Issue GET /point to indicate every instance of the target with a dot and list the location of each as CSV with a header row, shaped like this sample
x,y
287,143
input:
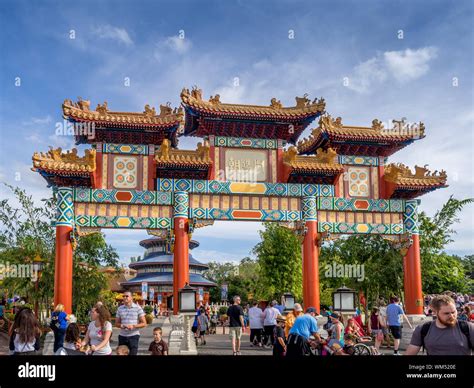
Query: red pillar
x,y
311,266
412,278
310,254
63,268
181,246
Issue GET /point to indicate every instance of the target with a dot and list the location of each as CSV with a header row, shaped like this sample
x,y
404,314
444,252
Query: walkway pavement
x,y
220,345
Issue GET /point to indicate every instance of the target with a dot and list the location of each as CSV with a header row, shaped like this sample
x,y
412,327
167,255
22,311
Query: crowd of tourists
x,y
130,318
298,334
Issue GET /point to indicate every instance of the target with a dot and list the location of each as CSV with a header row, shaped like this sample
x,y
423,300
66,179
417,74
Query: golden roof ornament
x,y
377,125
102,109
55,159
149,111
327,156
215,99
398,172
274,103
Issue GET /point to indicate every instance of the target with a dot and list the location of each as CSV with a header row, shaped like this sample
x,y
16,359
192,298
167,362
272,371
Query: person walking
x,y
99,332
395,316
376,324
25,334
304,327
291,318
235,315
130,318
279,339
269,321
58,325
446,335
256,324
337,330
203,325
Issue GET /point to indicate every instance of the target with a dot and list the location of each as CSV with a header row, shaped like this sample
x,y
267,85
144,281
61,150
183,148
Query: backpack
x,y
462,325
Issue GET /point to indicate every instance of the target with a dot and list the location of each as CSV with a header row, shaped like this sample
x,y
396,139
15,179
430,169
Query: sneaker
x,y
239,354
251,345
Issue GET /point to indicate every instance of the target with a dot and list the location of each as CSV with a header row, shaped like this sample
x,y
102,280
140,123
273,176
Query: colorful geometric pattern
x,y
132,149
410,216
358,181
359,228
181,204
227,187
64,206
125,172
308,207
358,160
123,222
370,205
235,214
122,196
241,142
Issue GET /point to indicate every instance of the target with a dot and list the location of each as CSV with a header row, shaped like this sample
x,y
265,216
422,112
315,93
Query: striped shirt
x,y
129,316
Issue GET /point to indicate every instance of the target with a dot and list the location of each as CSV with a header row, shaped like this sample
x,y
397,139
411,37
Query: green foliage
x,y
442,272
148,309
279,257
108,298
26,233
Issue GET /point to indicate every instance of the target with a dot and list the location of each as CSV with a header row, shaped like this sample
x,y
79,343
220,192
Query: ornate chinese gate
x,y
335,182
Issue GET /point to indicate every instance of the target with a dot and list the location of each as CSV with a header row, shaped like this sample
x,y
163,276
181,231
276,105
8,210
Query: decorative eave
x,y
351,140
402,183
169,160
319,168
146,122
215,118
59,168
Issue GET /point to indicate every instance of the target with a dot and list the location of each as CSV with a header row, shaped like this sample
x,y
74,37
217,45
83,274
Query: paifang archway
x,y
336,181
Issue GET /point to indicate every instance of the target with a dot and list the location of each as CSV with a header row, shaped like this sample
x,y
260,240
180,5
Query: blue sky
x,y
348,52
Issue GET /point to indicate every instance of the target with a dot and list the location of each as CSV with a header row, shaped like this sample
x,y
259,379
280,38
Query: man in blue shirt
x,y
304,327
395,314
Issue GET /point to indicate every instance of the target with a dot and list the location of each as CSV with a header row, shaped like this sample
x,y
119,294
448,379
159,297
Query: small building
x,y
156,269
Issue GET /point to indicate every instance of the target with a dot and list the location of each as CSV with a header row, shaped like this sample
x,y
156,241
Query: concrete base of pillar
x,y
415,320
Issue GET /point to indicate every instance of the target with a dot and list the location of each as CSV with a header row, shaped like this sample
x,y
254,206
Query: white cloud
x,y
178,44
115,33
402,66
409,64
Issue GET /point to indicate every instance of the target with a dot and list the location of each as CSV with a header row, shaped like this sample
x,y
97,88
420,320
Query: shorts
x,y
385,330
396,331
202,333
377,331
235,332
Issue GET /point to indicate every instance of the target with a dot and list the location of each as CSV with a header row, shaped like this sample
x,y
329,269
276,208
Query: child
x,y
25,333
279,341
73,339
122,350
158,347
203,325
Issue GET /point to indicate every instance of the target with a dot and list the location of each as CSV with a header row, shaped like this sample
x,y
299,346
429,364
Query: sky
x,y
368,59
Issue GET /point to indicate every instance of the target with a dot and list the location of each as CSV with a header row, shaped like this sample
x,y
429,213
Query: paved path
x,y
220,345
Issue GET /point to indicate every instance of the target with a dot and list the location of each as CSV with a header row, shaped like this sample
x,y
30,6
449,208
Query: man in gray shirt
x,y
445,335
130,318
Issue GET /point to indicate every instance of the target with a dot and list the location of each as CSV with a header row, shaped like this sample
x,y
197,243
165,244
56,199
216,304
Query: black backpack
x,y
462,325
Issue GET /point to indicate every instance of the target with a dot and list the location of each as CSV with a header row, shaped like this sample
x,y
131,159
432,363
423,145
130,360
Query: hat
x,y
335,315
297,307
310,310
281,318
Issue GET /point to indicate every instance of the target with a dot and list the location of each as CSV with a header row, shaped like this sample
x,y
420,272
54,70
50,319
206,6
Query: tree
x,y
279,258
442,272
26,234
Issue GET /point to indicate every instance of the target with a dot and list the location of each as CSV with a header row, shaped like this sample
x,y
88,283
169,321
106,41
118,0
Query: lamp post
x,y
288,301
38,265
344,300
187,307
